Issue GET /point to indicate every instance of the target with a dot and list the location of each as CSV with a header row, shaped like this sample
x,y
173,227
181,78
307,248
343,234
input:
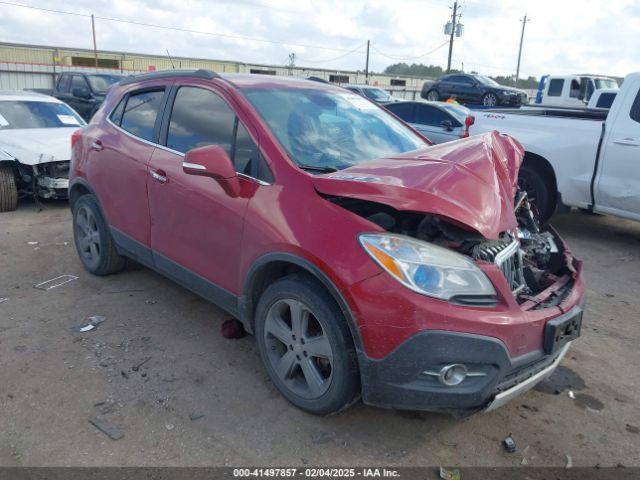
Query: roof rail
x,y
202,73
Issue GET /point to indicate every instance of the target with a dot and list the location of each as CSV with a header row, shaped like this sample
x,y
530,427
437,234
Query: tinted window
x,y
555,87
456,78
139,116
403,110
575,89
606,100
78,81
427,115
63,83
116,115
200,117
102,83
635,109
466,80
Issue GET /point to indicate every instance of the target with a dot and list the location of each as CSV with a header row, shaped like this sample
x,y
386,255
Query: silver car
x,y
438,121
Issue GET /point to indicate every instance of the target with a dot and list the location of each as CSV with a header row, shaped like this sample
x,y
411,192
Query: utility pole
x,y
454,17
366,67
95,49
524,23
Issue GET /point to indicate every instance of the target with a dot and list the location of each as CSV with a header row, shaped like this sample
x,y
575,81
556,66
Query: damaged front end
x,y
43,177
463,196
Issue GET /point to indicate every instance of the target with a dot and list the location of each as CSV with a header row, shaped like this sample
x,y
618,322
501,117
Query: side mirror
x,y
213,161
447,125
81,92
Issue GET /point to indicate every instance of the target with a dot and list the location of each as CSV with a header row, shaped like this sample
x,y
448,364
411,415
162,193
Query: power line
x,y
393,57
335,58
180,29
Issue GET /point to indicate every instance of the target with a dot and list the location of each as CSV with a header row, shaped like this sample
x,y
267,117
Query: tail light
x,y
470,120
75,137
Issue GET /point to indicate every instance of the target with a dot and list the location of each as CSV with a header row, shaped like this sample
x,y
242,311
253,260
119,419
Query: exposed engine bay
x,y
530,257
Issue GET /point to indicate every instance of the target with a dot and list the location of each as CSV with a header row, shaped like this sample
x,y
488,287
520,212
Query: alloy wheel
x,y
298,348
87,235
489,100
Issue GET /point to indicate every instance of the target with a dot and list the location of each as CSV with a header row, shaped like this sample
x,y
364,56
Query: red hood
x,y
472,182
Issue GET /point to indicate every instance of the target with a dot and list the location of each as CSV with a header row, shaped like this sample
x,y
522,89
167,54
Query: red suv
x,y
366,261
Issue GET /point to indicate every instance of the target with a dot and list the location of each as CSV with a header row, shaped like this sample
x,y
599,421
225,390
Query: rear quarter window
x,y
635,109
140,113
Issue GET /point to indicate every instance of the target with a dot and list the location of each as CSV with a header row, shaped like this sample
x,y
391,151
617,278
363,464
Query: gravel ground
x,y
180,394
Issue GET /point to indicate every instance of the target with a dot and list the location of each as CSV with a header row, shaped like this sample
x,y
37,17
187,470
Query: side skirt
x,y
199,285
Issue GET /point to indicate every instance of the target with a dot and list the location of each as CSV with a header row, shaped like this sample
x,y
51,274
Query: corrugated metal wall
x,y
24,66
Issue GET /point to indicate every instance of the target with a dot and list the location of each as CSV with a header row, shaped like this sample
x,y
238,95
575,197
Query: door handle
x,y
159,176
631,142
97,145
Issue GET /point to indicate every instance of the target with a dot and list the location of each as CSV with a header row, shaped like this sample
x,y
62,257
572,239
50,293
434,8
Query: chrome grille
x,y
506,254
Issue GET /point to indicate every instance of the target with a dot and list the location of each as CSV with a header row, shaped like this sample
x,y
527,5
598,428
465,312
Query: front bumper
x,y
403,380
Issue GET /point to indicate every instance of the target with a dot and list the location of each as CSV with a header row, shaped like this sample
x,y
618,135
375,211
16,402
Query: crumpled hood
x,y
37,145
472,182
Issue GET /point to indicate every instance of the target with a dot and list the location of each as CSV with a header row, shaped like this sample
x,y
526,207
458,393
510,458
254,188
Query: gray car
x,y
438,121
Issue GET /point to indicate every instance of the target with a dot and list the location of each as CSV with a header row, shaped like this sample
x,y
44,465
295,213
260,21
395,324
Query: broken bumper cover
x,y
404,379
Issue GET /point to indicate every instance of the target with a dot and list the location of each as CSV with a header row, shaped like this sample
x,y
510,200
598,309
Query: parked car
x,y
35,146
84,92
366,261
579,158
438,121
474,89
375,94
571,90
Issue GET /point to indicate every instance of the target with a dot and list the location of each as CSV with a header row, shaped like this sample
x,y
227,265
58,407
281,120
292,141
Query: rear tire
x,y
306,346
433,96
95,246
539,190
8,189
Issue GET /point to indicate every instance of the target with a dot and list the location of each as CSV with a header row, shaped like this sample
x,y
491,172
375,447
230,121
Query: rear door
x,y
196,227
618,183
117,165
429,121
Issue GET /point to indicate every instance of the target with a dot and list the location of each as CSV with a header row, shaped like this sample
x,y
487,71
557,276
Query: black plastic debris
x,y
109,429
509,444
196,416
91,323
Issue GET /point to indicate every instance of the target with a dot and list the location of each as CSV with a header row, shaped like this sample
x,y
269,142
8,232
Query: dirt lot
x,y
158,362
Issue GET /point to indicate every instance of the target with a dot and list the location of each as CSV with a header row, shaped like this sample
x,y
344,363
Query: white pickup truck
x,y
578,157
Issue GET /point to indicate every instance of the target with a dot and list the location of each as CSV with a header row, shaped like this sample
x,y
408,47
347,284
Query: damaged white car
x,y
35,146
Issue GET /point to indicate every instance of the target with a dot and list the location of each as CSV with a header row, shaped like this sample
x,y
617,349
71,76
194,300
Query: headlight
x,y
426,268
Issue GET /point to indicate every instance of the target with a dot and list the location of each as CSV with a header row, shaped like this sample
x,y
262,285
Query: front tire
x,y
95,246
306,346
433,96
8,189
489,100
539,191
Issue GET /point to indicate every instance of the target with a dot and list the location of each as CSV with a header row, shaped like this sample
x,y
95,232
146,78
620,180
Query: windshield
x,y
486,80
605,83
331,130
101,83
377,94
28,114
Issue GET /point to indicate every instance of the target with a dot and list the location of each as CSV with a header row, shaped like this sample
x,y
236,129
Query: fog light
x,y
452,375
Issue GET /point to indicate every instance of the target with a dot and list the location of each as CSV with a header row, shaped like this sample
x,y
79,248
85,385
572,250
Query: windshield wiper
x,y
317,168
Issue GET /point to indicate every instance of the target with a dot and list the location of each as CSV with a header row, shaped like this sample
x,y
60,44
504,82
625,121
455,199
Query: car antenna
x,y
170,59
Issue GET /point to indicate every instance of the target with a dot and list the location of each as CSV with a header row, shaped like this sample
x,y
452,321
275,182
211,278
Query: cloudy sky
x,y
564,36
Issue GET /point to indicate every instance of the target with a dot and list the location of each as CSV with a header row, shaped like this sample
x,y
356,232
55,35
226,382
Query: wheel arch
x,y
539,163
274,266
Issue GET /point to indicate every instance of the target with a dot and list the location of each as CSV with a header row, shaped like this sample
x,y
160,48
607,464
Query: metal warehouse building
x,y
35,66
